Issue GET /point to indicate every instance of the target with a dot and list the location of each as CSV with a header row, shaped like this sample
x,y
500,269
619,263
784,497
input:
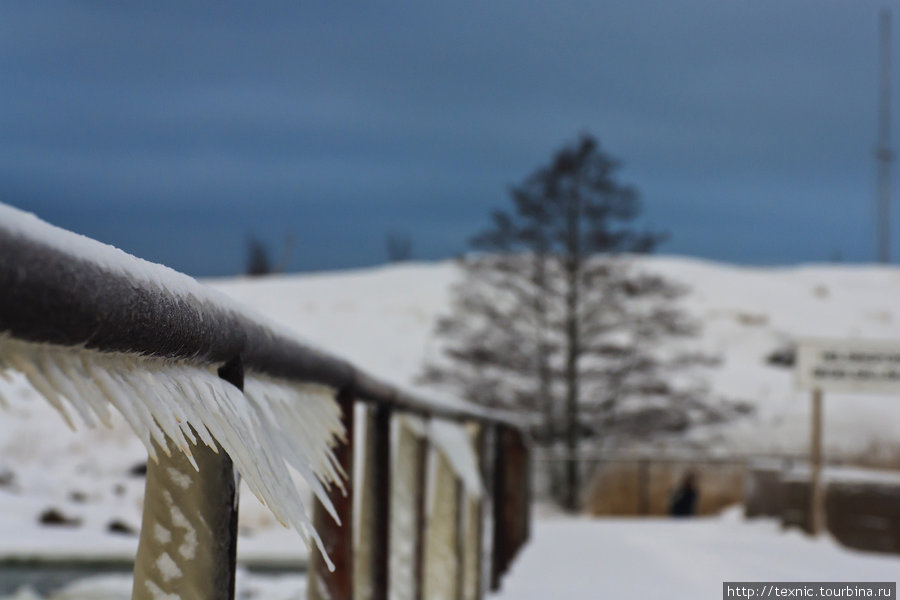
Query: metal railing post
x,y
188,543
512,497
337,539
381,510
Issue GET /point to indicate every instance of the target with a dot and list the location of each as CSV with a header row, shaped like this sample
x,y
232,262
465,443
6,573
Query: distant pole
x,y
816,495
883,153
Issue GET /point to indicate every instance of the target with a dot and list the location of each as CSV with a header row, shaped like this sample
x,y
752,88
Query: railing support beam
x,y
188,543
337,538
381,510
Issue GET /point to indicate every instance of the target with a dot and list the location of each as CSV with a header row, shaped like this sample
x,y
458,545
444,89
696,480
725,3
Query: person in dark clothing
x,y
684,499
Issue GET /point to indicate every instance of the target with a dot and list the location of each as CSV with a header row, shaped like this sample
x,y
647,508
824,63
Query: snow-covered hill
x,y
382,319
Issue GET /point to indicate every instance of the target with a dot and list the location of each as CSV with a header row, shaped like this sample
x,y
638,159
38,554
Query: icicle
x,y
52,371
276,427
21,363
455,442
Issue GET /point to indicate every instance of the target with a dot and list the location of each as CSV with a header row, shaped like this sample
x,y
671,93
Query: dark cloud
x,y
173,129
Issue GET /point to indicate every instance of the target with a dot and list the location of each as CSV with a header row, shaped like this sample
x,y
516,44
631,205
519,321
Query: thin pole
x,y
883,153
816,496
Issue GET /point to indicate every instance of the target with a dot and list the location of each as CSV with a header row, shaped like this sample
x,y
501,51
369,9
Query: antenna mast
x,y
883,153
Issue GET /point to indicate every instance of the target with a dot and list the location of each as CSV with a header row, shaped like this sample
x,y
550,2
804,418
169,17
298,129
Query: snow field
x,y
382,319
585,559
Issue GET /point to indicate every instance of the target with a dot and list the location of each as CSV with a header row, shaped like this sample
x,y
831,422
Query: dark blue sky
x,y
175,129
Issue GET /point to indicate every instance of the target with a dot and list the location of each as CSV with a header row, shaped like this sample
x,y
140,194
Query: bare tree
x,y
551,316
399,247
258,260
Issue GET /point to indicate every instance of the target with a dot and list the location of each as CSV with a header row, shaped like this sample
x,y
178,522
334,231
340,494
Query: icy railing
x,y
212,388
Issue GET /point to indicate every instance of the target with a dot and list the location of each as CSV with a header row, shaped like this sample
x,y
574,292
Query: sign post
x,y
855,366
816,495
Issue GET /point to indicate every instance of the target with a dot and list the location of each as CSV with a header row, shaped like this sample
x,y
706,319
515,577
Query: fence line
x,y
75,295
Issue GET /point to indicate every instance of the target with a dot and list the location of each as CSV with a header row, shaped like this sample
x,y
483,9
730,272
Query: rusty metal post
x,y
381,510
421,517
337,539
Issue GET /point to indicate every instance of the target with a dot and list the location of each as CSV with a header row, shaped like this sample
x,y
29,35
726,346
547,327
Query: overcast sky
x,y
175,129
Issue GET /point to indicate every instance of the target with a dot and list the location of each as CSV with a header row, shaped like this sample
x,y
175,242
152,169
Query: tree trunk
x,y
573,272
572,483
543,354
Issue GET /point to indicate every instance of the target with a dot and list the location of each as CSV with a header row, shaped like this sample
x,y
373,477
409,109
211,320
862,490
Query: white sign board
x,y
848,366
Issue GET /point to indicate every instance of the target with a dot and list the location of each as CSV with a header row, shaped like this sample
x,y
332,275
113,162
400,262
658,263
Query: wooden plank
x,y
473,556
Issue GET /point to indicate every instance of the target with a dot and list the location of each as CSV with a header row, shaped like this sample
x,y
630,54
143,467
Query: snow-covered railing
x,y
212,388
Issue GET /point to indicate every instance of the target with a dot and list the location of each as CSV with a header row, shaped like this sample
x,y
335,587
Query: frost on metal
x,y
454,441
271,429
110,258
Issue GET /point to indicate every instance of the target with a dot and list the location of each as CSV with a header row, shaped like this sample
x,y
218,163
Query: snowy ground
x,y
582,559
586,559
382,319
118,587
